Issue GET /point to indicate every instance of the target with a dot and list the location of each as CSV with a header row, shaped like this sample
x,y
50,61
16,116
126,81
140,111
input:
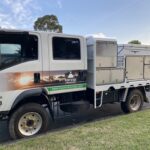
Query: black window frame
x,y
66,59
24,43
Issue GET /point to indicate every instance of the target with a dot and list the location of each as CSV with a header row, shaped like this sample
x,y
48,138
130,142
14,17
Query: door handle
x,y
37,78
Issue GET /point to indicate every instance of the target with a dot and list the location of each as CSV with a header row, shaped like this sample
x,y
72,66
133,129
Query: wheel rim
x,y
30,124
135,102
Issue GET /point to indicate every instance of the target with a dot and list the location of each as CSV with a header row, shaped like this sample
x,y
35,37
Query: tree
x,y
48,23
135,42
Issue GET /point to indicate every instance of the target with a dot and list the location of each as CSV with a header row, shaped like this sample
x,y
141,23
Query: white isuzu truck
x,y
40,71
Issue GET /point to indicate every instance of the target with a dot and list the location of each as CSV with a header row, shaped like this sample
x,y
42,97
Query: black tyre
x,y
28,120
134,102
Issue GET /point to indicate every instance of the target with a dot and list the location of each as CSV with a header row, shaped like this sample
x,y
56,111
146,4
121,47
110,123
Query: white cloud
x,y
5,23
18,13
59,3
100,35
97,35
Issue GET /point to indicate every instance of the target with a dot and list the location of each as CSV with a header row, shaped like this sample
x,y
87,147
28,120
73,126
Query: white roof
x,y
41,32
92,38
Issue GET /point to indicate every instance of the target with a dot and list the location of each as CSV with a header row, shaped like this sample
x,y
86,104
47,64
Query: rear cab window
x,y
65,48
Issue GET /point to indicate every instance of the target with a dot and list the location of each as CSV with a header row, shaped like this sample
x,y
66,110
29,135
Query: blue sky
x,y
123,19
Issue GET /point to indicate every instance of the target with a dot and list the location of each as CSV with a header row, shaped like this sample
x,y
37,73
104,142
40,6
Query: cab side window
x,y
16,49
66,48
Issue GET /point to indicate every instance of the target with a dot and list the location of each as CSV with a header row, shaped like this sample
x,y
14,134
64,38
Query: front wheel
x,y
28,120
134,102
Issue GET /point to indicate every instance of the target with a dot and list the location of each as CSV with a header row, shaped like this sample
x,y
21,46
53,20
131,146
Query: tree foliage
x,y
48,23
135,42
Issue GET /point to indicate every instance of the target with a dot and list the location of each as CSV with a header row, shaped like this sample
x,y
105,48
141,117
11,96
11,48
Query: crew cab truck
x,y
40,71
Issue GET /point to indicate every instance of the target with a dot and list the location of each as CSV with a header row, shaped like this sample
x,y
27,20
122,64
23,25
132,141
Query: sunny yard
x,y
128,132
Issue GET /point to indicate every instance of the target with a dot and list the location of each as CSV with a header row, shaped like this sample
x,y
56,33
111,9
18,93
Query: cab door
x,y
20,60
68,63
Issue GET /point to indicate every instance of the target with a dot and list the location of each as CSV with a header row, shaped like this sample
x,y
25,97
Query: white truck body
x,y
39,69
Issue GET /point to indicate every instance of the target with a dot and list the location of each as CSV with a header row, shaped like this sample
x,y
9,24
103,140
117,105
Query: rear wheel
x,y
28,120
134,102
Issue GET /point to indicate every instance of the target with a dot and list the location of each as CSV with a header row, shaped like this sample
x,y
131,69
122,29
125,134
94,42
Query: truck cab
x,y
35,67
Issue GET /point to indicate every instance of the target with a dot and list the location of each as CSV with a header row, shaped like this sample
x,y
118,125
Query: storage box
x,y
117,75
106,62
134,68
147,72
147,60
106,54
109,76
102,76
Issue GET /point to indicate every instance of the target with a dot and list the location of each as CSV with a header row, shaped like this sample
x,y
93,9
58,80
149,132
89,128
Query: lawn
x,y
128,132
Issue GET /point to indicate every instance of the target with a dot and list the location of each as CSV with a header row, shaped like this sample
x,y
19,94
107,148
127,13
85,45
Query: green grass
x,y
128,132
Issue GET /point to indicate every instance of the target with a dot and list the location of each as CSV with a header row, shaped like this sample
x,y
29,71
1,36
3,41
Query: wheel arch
x,y
129,90
142,90
32,96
